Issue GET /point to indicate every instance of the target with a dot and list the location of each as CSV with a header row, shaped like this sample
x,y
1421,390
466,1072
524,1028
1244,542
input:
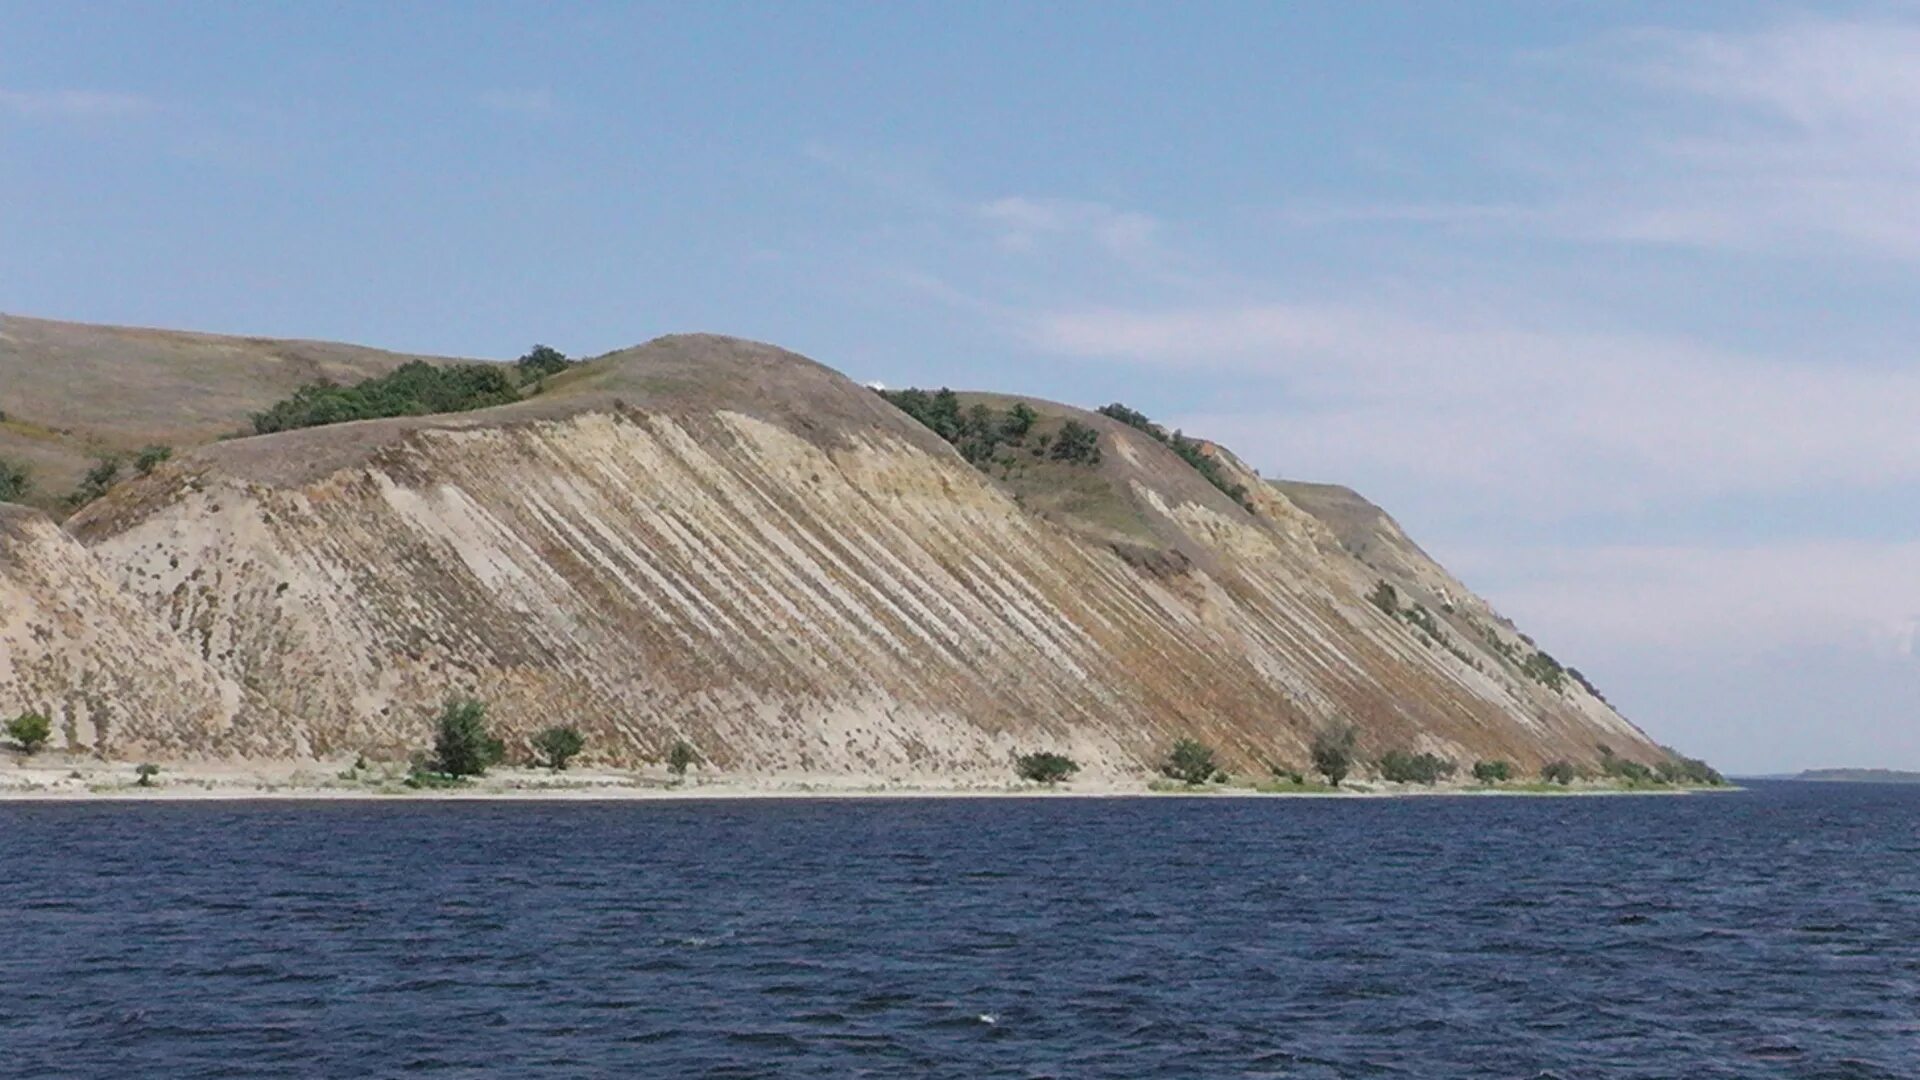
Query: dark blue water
x,y
1772,933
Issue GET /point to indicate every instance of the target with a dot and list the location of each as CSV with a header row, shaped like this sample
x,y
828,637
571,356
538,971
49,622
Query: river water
x,y
1768,933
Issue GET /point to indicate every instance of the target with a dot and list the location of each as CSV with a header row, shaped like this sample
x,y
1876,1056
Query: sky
x,y
1613,306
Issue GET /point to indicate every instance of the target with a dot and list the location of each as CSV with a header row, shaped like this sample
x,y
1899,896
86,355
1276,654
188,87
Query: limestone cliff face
x,y
78,649
719,541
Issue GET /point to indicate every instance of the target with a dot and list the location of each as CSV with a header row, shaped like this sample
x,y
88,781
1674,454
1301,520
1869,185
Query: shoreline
x,y
90,780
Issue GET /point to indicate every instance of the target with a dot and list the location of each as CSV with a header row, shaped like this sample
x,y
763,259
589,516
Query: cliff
x,y
719,541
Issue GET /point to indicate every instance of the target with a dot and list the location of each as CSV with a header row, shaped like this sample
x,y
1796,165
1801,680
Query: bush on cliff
x,y
1560,772
556,746
1190,762
462,744
414,389
15,481
1493,772
30,731
1044,767
98,481
539,362
1404,767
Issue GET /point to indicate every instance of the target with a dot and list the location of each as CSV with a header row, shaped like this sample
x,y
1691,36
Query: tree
x,y
145,773
462,745
1333,752
30,730
150,458
1492,772
1045,767
1018,421
682,757
541,361
559,745
1559,772
15,481
1190,761
1077,443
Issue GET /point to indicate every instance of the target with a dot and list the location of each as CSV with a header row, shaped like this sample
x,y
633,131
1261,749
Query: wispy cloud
x,y
75,105
1498,408
1023,224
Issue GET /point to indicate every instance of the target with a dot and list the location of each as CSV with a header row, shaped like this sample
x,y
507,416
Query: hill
x,y
72,392
1860,776
718,541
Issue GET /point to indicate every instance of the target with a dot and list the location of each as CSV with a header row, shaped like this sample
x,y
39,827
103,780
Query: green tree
x,y
682,757
150,458
1044,767
559,745
1332,752
1559,772
1018,421
1190,761
541,361
145,773
1493,772
15,481
30,730
1076,443
462,744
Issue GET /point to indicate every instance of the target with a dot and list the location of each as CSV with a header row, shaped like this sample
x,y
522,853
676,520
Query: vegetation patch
x,y
16,482
1191,451
463,745
1190,761
556,746
1493,772
985,435
1405,767
30,731
413,389
1044,767
1332,752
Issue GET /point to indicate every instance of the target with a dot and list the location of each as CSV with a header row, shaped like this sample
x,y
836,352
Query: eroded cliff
x,y
719,541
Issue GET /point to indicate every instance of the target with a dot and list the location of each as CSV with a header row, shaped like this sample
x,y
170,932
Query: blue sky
x,y
1614,306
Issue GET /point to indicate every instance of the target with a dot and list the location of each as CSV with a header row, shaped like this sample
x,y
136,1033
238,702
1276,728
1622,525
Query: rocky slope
x,y
720,541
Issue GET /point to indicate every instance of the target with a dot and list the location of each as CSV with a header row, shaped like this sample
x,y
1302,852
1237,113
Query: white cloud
x,y
1731,600
75,105
1530,420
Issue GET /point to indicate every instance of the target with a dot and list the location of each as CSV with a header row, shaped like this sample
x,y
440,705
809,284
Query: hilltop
x,y
716,541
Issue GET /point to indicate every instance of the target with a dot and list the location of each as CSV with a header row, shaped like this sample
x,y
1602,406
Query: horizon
x,y
1608,308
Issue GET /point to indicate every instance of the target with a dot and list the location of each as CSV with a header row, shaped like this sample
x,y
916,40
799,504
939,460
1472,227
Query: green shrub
x,y
1044,767
413,389
1332,752
1493,772
1405,767
556,746
15,481
145,773
1559,772
99,479
1385,597
682,757
150,458
1190,761
462,745
30,731
1545,670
